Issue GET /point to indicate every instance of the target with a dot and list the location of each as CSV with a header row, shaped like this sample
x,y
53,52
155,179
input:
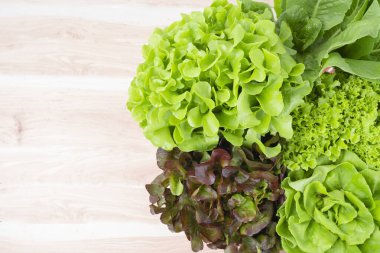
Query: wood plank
x,y
68,203
117,245
154,3
70,46
62,134
78,39
130,13
71,137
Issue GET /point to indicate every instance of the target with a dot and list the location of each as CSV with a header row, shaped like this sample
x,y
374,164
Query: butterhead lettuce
x,y
333,208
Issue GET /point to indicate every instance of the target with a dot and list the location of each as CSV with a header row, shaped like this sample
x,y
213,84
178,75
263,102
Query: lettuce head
x,y
223,72
333,208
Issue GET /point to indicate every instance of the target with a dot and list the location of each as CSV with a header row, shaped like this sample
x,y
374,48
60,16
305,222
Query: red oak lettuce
x,y
227,198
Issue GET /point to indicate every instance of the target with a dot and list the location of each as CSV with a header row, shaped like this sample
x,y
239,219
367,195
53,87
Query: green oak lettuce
x,y
220,72
333,208
341,113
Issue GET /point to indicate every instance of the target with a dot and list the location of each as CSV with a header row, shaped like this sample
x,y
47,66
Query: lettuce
x,y
341,33
341,113
227,198
223,72
333,208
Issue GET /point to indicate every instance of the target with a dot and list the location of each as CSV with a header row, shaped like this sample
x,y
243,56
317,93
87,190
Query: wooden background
x,y
73,164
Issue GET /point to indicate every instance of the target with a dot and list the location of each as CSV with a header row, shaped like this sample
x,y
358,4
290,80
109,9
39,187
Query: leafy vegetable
x,y
333,208
341,33
366,69
228,197
223,72
341,113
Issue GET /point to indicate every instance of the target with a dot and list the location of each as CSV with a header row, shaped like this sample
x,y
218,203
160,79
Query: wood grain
x,y
117,245
73,163
69,46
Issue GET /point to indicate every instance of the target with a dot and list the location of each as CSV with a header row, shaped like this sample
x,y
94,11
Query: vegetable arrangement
x,y
268,129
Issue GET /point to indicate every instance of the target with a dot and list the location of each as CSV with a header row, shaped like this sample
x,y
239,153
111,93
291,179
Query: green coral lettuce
x,y
220,72
341,113
333,208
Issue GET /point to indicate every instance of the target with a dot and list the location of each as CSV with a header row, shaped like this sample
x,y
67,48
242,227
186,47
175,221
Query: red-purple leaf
x,y
204,193
221,156
204,173
202,217
232,248
212,233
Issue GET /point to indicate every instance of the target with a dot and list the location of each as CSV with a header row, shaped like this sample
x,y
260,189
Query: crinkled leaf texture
x,y
341,113
229,197
333,208
220,72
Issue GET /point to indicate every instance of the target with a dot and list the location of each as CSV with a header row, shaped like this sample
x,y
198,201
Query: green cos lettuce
x,y
223,72
334,209
341,113
341,33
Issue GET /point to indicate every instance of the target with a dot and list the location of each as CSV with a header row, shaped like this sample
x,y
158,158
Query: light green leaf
x,y
365,69
278,7
361,48
372,178
305,30
373,244
272,62
176,186
223,95
235,138
368,26
210,124
161,138
189,70
257,57
254,88
208,61
228,119
194,117
330,13
246,117
361,228
253,137
271,99
283,125
198,142
237,34
202,89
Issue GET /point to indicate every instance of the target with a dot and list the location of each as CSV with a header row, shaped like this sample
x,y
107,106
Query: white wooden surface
x,y
73,164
